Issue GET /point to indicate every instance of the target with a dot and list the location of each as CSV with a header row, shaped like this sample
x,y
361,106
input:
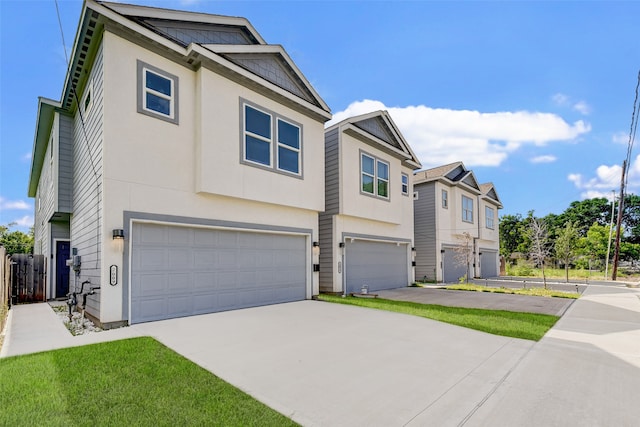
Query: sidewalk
x,y
585,371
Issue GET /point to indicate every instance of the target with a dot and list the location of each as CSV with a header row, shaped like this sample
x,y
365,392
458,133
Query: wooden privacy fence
x,y
28,278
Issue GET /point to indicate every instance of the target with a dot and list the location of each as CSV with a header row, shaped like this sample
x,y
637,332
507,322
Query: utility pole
x,y
614,272
613,205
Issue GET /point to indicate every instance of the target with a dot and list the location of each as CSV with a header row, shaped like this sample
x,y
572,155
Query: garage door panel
x,y
453,269
379,265
208,270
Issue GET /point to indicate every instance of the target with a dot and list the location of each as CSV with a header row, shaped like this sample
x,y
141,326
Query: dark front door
x,y
62,269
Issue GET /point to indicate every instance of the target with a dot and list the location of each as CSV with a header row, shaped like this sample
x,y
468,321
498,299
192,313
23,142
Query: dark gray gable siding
x,y
424,223
273,69
65,165
471,182
456,174
376,127
86,220
492,195
332,207
186,32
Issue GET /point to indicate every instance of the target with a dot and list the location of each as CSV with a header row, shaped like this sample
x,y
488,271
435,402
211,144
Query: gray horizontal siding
x,y
65,165
332,172
424,223
326,252
87,187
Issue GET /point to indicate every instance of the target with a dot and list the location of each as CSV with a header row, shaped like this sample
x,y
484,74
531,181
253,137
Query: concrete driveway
x,y
325,364
334,365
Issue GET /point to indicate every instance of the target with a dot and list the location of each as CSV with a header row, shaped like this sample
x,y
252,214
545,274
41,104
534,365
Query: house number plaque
x,y
113,273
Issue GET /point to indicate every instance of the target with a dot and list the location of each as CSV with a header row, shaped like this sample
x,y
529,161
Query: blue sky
x,y
535,97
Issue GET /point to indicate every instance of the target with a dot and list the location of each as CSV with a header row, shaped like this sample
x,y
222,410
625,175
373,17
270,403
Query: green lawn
x,y
529,326
137,382
539,292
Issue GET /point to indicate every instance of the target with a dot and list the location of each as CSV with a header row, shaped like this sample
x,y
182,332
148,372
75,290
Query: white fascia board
x,y
200,50
181,15
403,142
349,127
44,121
269,49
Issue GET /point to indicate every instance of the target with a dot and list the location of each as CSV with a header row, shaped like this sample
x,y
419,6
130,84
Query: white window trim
x,y
445,199
245,132
405,191
86,108
489,224
288,147
465,210
375,176
142,90
274,142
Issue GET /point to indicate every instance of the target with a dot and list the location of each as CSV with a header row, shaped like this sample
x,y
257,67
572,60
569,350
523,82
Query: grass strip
x,y
136,381
537,292
528,326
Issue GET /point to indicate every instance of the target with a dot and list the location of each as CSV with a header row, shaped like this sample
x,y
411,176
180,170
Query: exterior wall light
x,y
118,233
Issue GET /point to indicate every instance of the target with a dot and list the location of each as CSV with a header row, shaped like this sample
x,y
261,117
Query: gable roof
x,y
379,130
490,194
228,45
453,174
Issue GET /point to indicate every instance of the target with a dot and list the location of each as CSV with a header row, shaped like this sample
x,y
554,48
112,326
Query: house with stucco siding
x,y
182,169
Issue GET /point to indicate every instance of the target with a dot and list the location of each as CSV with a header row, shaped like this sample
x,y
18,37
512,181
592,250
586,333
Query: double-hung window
x,y
467,209
489,218
374,176
405,184
271,141
157,93
445,199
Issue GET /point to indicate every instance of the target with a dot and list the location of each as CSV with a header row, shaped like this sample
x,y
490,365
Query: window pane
x,y
161,105
383,170
383,188
367,184
257,122
288,160
257,150
158,83
288,134
367,165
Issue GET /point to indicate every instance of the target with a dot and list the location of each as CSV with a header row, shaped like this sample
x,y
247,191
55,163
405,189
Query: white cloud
x,y
6,205
26,157
607,179
562,100
439,136
544,159
25,221
620,138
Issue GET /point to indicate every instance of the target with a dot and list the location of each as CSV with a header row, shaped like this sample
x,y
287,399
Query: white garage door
x,y
453,269
379,265
181,271
488,264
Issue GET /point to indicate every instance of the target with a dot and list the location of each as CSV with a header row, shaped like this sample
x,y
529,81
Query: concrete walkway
x,y
334,365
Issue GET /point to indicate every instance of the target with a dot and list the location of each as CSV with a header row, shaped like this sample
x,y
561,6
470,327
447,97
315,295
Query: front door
x,y
62,269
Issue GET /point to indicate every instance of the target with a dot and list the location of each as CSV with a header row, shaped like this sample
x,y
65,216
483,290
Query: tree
x,y
586,212
539,249
16,242
566,245
510,234
464,252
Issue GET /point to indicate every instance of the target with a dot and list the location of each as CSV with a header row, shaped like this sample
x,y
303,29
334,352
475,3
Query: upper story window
x,y
445,199
467,209
87,102
157,93
489,218
374,176
405,184
270,140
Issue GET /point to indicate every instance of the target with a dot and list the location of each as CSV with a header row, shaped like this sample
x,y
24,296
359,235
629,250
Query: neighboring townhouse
x,y
182,170
366,231
452,212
